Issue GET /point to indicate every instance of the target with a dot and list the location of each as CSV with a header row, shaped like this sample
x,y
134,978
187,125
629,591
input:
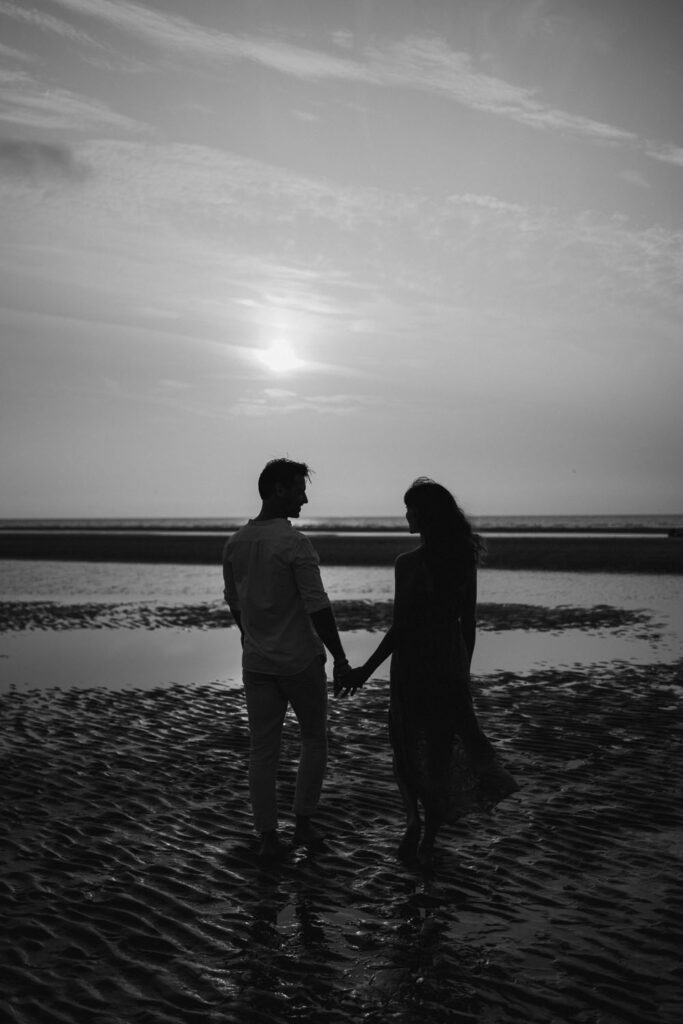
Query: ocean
x,y
368,524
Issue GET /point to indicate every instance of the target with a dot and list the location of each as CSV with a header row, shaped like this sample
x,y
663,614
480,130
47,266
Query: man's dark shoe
x,y
271,850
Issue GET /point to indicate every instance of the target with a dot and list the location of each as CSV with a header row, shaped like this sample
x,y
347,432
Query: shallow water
x,y
67,582
144,659
139,658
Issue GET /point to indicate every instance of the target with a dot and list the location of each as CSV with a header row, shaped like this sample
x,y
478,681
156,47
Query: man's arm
x,y
237,616
230,595
306,565
326,627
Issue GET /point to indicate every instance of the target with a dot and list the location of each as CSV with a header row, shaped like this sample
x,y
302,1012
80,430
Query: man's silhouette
x,y
275,593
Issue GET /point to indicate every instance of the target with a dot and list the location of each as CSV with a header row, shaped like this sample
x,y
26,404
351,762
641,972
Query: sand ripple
x,y
130,894
370,615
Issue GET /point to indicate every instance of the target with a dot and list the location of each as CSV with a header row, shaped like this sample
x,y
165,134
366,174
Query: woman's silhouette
x,y
442,759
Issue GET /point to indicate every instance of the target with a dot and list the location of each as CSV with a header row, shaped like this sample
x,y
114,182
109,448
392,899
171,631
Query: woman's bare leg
x,y
425,853
407,850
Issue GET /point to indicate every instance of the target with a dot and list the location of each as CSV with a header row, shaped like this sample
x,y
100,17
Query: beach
x,y
130,890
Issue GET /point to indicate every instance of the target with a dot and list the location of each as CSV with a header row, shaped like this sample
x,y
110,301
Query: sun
x,y
280,357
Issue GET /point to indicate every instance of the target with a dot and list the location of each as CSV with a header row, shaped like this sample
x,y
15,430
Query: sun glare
x,y
280,357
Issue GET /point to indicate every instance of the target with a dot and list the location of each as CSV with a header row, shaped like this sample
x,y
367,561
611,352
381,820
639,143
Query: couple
x,y
442,759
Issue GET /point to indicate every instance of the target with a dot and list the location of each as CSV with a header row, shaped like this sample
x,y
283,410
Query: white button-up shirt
x,y
272,577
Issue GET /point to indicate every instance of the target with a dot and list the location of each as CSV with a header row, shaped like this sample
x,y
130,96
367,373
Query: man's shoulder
x,y
278,532
237,533
241,534
297,534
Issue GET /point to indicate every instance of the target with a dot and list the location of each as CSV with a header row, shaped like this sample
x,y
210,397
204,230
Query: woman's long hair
x,y
450,543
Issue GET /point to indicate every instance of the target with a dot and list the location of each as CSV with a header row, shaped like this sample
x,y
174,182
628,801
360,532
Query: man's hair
x,y
280,471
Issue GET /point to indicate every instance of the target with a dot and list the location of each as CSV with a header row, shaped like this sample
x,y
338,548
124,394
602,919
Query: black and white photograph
x,y
341,511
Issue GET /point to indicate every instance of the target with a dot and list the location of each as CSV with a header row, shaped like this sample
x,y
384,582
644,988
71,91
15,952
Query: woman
x,y
442,759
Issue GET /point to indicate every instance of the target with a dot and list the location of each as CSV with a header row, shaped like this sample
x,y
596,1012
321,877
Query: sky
x,y
389,238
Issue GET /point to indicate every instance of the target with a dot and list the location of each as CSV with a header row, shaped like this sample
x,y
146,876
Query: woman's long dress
x,y
440,752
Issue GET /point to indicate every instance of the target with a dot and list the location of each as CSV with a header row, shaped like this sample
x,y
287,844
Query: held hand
x,y
351,681
339,672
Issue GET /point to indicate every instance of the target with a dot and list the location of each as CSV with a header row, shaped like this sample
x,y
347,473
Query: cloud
x,y
167,31
305,256
424,64
305,115
421,63
635,178
28,103
45,21
667,154
170,386
428,64
242,250
278,402
10,54
179,35
23,158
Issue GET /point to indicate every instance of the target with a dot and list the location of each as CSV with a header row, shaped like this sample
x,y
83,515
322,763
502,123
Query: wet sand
x,y
372,616
130,892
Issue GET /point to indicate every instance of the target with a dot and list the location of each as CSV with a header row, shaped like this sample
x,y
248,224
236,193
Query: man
x,y
276,596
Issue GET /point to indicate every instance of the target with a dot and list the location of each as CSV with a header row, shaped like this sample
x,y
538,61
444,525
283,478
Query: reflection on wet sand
x,y
400,950
132,645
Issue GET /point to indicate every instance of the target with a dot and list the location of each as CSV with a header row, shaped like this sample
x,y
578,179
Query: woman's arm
x,y
354,679
357,676
380,654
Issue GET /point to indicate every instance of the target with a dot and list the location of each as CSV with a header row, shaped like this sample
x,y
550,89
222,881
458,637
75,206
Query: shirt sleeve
x,y
230,591
306,568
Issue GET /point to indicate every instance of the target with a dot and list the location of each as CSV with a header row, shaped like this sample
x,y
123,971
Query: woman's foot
x,y
407,848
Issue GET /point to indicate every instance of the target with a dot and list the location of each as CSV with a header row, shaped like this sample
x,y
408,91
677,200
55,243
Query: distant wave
x,y
366,524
